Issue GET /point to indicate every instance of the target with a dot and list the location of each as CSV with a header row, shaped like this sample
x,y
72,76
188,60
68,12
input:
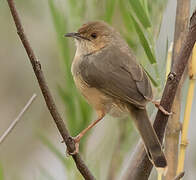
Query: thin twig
x,y
47,95
179,176
139,165
13,124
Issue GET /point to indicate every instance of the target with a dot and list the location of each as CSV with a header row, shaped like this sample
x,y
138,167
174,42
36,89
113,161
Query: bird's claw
x,y
76,141
157,104
163,110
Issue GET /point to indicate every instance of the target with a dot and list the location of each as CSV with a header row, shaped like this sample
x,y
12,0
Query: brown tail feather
x,y
150,139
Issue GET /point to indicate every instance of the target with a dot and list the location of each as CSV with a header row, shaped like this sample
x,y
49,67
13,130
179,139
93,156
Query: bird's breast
x,y
75,66
93,96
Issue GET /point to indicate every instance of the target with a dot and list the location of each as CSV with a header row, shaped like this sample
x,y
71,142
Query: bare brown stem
x,y
13,124
47,95
174,125
140,166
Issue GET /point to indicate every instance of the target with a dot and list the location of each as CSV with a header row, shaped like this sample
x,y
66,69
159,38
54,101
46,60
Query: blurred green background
x,y
34,150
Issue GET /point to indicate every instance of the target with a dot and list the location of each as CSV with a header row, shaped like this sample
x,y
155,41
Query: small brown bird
x,y
112,81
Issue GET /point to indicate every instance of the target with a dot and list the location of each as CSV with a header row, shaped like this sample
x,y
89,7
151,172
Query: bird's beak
x,y
73,34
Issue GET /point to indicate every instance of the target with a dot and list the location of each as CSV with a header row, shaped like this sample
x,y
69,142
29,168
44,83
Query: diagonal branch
x,y
179,176
13,124
139,165
47,95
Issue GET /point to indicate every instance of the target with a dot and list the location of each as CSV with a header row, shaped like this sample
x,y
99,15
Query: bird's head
x,y
92,36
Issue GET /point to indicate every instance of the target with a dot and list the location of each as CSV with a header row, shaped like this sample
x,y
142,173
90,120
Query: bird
x,y
108,75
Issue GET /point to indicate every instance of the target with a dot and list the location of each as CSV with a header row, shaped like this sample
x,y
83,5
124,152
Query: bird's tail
x,y
150,139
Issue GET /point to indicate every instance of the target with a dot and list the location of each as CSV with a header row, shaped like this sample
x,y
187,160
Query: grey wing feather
x,y
117,75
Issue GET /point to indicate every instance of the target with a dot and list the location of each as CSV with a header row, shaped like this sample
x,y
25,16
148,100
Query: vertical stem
x,y
174,126
190,96
159,176
184,141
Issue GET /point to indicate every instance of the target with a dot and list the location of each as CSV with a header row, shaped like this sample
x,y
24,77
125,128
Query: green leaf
x,y
61,28
143,41
145,5
110,6
152,79
126,17
86,112
140,12
71,111
66,95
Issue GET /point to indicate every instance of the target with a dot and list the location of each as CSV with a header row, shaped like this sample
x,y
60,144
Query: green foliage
x,y
110,5
131,22
151,78
143,41
141,12
60,28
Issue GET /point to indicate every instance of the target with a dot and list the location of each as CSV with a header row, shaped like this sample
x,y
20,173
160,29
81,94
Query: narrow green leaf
x,y
71,111
140,12
66,96
143,41
86,112
61,28
110,6
125,14
152,79
145,5
77,9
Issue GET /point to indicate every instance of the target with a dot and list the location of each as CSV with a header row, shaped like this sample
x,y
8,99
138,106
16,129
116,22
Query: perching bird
x,y
112,81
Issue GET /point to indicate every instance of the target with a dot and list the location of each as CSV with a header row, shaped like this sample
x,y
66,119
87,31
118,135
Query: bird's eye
x,y
94,35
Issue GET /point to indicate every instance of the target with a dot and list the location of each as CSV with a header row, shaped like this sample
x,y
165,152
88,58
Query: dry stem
x,y
174,125
187,113
13,124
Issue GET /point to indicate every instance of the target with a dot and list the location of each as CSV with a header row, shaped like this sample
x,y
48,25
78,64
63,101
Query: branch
x,y
174,126
13,124
140,166
47,95
179,176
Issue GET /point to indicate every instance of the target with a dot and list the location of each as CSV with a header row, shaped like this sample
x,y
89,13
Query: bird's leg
x,y
77,139
157,104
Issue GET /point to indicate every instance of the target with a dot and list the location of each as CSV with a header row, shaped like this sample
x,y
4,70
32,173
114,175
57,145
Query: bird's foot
x,y
157,104
77,143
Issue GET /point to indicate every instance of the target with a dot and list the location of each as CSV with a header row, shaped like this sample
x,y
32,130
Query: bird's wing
x,y
118,75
